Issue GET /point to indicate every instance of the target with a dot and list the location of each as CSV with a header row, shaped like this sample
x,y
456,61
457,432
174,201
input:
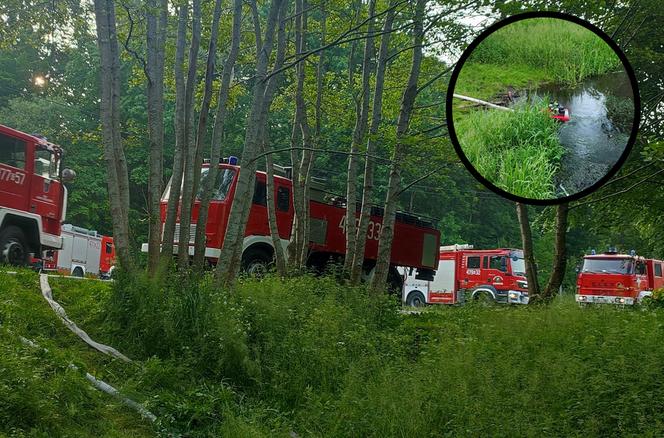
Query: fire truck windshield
x,y
222,184
609,266
518,264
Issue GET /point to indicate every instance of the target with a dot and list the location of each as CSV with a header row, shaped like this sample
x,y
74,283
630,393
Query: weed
x,y
517,151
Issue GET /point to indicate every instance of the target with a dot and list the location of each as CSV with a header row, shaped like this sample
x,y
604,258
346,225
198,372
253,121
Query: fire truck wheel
x,y
255,262
416,299
14,250
77,272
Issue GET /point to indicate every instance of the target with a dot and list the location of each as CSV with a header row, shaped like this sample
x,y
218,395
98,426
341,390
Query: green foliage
x,y
517,151
566,51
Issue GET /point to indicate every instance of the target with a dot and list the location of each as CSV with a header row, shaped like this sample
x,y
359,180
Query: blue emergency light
x,y
232,160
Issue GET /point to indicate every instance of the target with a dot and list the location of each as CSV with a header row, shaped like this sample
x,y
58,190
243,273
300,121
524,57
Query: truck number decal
x,y
373,231
473,271
8,175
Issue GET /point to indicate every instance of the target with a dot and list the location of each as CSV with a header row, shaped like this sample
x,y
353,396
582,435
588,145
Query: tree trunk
x,y
279,255
217,131
528,254
231,252
180,140
560,256
190,145
116,165
157,11
400,150
301,167
359,133
369,166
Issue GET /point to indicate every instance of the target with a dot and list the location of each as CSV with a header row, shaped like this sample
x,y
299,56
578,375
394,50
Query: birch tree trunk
x,y
116,164
217,131
528,254
359,133
301,166
231,253
273,83
189,152
180,140
156,37
400,150
369,165
560,254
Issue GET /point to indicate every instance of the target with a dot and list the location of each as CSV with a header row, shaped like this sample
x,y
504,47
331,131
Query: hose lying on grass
x,y
102,386
47,293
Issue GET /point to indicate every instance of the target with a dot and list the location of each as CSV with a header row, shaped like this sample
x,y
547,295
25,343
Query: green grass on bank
x,y
517,151
310,356
563,51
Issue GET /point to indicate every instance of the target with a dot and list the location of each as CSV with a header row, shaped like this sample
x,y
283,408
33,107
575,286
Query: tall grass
x,y
517,151
567,51
329,360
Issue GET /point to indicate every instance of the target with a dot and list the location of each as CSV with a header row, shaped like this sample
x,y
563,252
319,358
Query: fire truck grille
x,y
192,233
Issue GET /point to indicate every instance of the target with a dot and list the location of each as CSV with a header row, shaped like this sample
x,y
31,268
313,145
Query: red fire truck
x,y
489,275
415,239
84,252
623,279
33,198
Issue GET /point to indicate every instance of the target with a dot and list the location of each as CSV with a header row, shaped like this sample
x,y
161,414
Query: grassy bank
x,y
309,356
532,51
517,151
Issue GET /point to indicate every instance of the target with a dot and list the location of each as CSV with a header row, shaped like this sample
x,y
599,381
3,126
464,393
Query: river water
x,y
602,113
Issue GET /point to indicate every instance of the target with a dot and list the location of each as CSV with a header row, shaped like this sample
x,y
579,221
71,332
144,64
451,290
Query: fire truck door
x,y
45,194
441,289
14,183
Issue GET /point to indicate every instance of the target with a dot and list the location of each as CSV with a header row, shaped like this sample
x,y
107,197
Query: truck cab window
x,y
283,198
12,151
222,183
658,270
260,193
640,268
46,165
473,262
498,262
109,247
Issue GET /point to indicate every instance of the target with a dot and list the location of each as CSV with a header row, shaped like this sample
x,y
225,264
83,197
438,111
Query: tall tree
x,y
560,253
359,133
400,150
209,189
369,164
189,153
114,157
180,139
528,252
230,258
157,11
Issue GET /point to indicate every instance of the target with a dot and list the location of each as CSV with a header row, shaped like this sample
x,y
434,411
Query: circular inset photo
x,y
543,108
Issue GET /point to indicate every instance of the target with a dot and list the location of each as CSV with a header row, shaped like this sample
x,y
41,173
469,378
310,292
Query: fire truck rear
x,y
490,276
33,198
613,278
415,238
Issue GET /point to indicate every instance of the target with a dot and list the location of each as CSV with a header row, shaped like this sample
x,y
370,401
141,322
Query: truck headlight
x,y
581,298
514,296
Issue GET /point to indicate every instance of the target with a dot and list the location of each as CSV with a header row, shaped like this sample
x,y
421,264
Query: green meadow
x,y
309,357
523,159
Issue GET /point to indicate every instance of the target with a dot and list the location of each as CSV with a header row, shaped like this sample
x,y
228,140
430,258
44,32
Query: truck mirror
x,y
68,175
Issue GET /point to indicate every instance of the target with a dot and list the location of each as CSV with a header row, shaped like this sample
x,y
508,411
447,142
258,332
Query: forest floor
x,y
519,57
306,356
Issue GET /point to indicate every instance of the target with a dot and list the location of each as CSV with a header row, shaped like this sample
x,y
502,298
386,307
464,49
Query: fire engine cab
x,y
415,238
33,198
491,276
623,279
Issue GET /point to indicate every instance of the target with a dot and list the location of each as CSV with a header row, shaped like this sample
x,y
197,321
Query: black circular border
x,y
628,69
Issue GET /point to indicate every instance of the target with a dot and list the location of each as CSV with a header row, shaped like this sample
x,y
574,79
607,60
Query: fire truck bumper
x,y
517,297
604,299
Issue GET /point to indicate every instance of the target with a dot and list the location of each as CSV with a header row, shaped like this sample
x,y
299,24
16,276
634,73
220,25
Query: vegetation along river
x,y
602,113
